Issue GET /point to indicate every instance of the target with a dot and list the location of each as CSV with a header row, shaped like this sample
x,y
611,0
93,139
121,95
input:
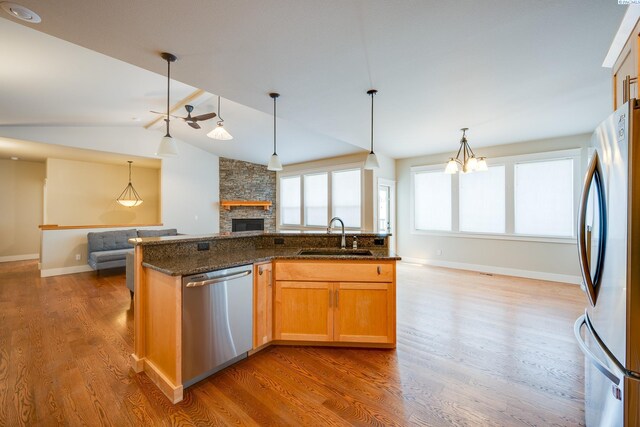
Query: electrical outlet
x,y
203,246
78,257
438,251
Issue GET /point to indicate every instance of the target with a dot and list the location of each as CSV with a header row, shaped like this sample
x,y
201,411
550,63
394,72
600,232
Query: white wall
x,y
543,260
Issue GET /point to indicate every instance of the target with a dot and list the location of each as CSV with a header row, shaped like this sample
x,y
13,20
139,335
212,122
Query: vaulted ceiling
x,y
509,70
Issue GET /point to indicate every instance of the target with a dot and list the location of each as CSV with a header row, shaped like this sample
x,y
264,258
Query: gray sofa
x,y
108,249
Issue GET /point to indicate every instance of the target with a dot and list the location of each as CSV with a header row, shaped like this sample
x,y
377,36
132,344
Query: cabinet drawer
x,y
335,271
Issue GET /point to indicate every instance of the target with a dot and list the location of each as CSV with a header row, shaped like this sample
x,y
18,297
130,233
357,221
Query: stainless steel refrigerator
x,y
609,252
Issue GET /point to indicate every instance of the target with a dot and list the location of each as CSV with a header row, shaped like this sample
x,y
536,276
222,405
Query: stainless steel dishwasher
x,y
217,321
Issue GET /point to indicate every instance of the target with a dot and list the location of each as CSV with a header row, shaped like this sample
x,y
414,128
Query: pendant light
x,y
220,132
129,196
274,161
469,162
168,146
372,159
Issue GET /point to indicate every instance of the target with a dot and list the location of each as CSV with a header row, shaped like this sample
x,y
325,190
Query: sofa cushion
x,y
110,240
158,233
106,256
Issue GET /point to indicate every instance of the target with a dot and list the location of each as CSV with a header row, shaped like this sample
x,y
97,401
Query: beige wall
x,y
21,201
84,193
553,261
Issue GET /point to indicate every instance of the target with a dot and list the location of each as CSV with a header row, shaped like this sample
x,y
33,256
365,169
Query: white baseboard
x,y
64,270
19,257
539,275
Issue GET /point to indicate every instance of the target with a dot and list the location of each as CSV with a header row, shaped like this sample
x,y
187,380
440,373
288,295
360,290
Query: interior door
x,y
592,229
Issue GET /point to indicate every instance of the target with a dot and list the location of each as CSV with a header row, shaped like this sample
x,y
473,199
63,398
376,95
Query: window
x,y
345,196
315,199
432,202
544,198
308,199
290,200
526,197
482,201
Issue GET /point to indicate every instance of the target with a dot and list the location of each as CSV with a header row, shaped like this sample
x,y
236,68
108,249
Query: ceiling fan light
x,y
452,167
168,147
219,132
371,162
482,164
274,163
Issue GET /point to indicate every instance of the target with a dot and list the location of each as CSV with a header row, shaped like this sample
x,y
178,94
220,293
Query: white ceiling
x,y
510,70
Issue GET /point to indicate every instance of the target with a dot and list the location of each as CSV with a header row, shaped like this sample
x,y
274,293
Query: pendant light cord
x,y
274,125
130,171
168,92
372,94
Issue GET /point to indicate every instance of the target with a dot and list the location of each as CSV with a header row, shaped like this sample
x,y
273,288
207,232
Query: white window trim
x,y
509,162
311,171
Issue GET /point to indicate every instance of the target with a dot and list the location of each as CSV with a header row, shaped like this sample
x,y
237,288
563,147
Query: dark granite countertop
x,y
183,266
222,236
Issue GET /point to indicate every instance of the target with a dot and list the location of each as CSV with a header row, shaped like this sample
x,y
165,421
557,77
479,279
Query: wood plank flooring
x,y
473,350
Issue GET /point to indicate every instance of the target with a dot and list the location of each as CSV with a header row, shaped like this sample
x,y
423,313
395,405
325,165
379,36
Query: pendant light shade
x,y
274,161
168,146
129,196
469,162
220,132
372,160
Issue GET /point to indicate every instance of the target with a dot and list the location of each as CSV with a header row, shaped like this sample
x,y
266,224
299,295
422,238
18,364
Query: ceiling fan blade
x,y
194,125
202,117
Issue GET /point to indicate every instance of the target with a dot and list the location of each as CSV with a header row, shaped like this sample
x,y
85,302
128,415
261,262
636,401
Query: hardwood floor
x,y
473,350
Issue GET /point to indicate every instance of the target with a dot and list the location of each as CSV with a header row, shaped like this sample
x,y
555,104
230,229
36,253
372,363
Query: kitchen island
x,y
306,291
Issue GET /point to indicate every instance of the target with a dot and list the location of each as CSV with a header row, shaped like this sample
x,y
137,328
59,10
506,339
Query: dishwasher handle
x,y
219,279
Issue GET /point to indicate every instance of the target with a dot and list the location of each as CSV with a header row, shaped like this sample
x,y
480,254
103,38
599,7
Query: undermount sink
x,y
335,252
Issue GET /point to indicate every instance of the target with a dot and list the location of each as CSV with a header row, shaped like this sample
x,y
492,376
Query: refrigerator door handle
x,y
594,176
582,320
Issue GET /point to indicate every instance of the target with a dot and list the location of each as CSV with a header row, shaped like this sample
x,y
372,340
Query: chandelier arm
x,y
459,149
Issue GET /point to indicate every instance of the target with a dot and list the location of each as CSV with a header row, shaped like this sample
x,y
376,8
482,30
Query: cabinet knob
x,y
260,271
379,270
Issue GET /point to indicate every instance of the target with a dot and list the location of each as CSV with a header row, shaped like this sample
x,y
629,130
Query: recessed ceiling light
x,y
14,158
20,12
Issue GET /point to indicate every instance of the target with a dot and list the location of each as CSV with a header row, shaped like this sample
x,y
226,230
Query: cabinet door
x,y
263,305
303,311
365,312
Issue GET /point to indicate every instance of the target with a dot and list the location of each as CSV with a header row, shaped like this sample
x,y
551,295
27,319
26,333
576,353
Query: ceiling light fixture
x,y
168,146
469,162
219,132
20,12
129,196
274,161
372,160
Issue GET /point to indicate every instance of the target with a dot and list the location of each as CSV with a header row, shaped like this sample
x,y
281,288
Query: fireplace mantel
x,y
228,204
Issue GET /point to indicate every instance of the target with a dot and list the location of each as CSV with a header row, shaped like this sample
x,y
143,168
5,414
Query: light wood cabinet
x,y
364,312
303,311
627,64
262,304
308,308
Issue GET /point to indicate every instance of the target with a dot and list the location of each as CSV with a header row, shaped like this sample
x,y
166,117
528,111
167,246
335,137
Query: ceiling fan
x,y
191,120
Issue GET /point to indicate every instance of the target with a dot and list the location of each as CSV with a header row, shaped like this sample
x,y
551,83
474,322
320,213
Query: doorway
x,y
386,209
